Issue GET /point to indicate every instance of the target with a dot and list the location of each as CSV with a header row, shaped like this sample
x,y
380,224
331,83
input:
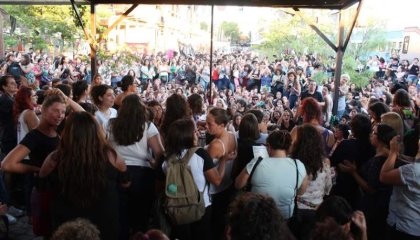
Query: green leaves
x,y
39,23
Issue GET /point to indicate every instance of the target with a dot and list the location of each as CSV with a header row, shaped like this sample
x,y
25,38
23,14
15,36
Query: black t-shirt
x,y
208,162
356,151
316,95
8,136
414,70
40,146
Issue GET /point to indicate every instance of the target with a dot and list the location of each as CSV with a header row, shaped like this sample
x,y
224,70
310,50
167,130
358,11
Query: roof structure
x,y
323,4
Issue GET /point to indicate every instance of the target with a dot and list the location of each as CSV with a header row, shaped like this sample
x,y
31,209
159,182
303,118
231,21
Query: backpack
x,y
15,70
184,203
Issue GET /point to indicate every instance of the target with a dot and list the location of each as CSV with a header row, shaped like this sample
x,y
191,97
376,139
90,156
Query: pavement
x,y
21,230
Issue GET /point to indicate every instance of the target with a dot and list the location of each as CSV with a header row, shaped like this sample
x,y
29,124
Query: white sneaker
x,y
11,219
16,212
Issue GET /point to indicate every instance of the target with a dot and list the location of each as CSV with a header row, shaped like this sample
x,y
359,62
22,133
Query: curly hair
x,y
329,230
79,229
311,110
279,140
176,108
128,127
254,216
307,148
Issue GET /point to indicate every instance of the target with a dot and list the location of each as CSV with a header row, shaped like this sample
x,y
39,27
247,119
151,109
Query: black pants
x,y
136,202
197,230
220,205
394,234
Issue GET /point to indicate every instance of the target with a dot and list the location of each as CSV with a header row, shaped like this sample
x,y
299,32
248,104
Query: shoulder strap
x,y
189,154
253,169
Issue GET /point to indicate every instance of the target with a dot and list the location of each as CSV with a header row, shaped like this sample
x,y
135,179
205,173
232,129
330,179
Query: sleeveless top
x,y
226,179
22,127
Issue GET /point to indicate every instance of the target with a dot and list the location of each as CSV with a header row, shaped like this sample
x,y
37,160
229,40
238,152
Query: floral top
x,y
316,189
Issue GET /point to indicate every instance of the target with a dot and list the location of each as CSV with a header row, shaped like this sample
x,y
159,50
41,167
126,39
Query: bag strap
x,y
253,169
189,154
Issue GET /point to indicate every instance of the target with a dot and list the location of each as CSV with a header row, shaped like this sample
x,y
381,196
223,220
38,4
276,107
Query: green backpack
x,y
184,202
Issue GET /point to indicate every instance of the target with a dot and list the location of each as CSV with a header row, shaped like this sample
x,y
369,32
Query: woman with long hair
x,y
38,143
223,145
294,88
311,112
84,152
176,108
248,134
286,121
132,135
182,137
26,120
156,110
357,150
307,149
375,200
28,70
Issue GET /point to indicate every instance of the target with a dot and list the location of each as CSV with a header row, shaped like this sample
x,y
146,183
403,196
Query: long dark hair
x,y
176,108
82,156
128,127
308,149
180,136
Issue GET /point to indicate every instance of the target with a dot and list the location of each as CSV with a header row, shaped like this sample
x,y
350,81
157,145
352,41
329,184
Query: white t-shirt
x,y
199,163
103,119
277,178
136,154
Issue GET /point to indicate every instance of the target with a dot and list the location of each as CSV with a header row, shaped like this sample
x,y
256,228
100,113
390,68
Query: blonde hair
x,y
393,120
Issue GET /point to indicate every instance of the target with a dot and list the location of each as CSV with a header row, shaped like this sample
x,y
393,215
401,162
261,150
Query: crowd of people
x,y
265,151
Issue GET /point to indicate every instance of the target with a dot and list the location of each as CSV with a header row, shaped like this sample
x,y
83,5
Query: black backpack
x,y
15,70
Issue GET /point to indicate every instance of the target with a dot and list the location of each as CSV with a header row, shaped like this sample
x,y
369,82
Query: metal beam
x,y
338,63
93,48
316,29
211,55
118,21
41,2
353,23
79,19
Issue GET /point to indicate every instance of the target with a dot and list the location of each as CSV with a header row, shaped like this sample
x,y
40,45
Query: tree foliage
x,y
39,23
230,30
292,34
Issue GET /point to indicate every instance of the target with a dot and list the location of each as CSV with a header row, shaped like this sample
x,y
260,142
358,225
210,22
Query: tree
x,y
230,30
39,23
290,33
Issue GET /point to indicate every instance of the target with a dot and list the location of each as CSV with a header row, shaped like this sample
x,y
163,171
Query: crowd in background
x,y
68,133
